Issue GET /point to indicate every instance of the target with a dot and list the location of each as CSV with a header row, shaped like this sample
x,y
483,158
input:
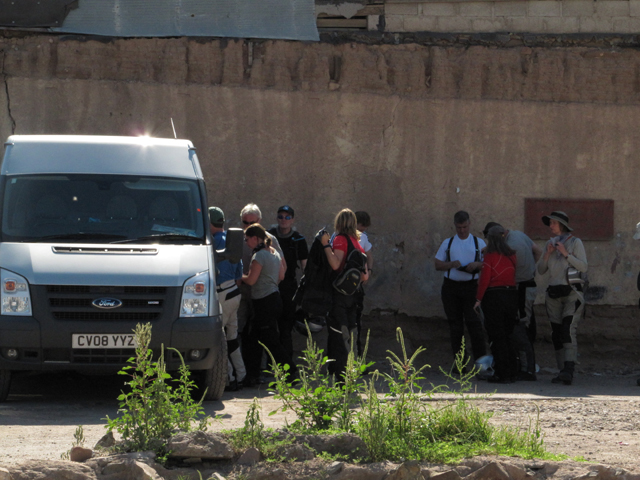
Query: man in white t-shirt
x,y
460,258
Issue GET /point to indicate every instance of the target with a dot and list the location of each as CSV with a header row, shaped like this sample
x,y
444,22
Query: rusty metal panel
x,y
590,219
34,13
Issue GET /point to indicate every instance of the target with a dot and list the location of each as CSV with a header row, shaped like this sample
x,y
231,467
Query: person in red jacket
x,y
498,295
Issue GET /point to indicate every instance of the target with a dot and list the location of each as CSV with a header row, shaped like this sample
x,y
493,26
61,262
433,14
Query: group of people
x,y
490,287
257,294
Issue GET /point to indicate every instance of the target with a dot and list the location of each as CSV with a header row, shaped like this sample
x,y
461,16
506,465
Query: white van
x,y
99,234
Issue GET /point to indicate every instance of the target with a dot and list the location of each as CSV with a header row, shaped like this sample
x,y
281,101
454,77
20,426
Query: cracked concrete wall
x,y
410,134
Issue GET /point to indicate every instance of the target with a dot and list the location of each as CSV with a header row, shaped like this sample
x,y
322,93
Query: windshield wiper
x,y
164,236
78,236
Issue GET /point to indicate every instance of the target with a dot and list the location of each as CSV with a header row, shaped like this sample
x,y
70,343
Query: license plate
x,y
103,340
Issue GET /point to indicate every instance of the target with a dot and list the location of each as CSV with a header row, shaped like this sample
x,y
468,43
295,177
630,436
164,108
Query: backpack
x,y
348,281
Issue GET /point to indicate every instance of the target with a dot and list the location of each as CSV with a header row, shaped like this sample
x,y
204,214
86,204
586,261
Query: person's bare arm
x,y
334,258
442,266
254,272
537,252
370,259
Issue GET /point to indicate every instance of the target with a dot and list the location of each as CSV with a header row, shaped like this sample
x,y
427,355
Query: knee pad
x,y
233,345
557,335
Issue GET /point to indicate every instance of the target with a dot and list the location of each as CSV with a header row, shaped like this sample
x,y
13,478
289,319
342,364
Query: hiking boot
x,y
566,374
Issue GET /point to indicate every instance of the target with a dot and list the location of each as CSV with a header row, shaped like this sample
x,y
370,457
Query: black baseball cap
x,y
287,209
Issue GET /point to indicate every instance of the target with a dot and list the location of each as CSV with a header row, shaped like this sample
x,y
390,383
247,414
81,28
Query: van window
x,y
89,208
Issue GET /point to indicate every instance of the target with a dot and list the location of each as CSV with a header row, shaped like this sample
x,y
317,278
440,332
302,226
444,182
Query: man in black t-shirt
x,y
295,250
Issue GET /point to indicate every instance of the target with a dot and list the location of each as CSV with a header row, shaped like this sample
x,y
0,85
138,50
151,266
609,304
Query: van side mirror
x,y
233,248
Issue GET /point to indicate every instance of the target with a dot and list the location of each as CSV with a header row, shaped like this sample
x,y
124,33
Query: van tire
x,y
5,383
215,379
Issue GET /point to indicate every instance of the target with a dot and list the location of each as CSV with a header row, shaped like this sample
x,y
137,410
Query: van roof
x,y
31,154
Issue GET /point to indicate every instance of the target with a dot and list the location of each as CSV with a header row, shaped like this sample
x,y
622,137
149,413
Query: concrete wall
x,y
531,16
409,133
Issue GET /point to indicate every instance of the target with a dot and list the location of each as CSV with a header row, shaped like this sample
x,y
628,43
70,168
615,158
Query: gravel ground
x,y
598,422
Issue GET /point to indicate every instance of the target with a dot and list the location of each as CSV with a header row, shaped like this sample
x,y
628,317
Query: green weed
x,y
78,441
156,406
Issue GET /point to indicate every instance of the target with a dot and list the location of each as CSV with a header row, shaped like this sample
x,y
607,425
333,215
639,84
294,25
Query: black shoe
x,y
234,386
562,379
527,377
497,379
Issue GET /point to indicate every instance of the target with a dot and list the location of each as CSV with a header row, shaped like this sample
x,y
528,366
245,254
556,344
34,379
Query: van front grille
x,y
76,302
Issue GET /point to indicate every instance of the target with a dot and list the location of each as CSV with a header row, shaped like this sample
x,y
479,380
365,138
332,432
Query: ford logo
x,y
106,303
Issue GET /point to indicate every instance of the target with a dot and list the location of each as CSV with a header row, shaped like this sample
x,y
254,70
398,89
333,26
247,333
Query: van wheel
x,y
215,379
5,383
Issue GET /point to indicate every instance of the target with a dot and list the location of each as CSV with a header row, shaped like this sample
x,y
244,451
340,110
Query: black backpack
x,y
348,281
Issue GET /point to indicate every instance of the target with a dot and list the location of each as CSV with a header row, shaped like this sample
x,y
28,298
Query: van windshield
x,y
89,208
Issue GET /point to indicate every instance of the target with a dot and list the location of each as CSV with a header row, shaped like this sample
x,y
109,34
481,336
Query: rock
x,y
52,470
106,441
80,454
128,469
341,444
295,452
407,471
352,472
450,475
209,446
101,462
4,474
493,470
463,470
334,468
250,457
516,472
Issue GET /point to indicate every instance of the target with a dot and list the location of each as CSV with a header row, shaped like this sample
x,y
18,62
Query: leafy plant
x,y
316,397
78,441
154,409
252,434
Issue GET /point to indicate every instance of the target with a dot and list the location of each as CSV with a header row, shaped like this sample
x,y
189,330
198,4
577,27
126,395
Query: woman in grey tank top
x,y
265,272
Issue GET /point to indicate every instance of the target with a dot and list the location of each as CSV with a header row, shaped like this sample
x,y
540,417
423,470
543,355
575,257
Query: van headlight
x,y
195,296
15,294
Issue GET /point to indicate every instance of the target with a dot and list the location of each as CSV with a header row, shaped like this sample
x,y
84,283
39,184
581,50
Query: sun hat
x,y
560,217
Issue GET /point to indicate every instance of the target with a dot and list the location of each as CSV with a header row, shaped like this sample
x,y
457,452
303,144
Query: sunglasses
x,y
284,217
248,223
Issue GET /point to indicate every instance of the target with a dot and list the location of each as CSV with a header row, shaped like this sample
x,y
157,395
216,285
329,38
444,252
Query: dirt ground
x,y
596,418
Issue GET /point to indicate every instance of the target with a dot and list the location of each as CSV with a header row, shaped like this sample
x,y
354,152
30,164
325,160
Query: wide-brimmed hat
x,y
560,217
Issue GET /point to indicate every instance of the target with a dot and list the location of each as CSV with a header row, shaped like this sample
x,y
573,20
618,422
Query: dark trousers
x,y
359,309
264,328
341,324
500,308
288,289
458,299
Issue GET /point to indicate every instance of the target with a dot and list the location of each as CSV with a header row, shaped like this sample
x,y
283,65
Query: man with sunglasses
x,y
249,215
295,249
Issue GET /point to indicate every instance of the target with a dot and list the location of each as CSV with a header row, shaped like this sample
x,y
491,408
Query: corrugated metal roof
x,y
277,19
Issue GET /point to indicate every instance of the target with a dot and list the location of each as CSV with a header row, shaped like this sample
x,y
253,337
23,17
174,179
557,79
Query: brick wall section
x,y
532,16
